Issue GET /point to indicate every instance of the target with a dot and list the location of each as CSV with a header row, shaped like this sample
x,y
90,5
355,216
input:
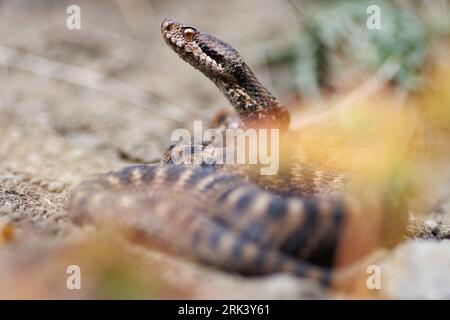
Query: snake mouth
x,y
192,45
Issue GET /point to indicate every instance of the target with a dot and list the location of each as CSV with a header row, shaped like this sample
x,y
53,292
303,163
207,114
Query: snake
x,y
229,216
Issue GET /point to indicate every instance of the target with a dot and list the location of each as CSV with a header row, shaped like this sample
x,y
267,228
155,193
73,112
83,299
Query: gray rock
x,y
418,269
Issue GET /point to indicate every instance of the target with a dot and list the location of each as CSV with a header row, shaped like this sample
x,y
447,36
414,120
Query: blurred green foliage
x,y
335,41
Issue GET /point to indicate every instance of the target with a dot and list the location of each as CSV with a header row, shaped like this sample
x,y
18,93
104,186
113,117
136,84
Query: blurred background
x,y
74,103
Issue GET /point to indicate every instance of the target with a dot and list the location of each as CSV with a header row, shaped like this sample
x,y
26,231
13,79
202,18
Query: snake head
x,y
212,56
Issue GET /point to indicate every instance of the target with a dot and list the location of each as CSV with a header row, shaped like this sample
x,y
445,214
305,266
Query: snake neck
x,y
256,106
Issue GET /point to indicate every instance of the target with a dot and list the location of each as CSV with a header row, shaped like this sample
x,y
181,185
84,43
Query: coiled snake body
x,y
230,217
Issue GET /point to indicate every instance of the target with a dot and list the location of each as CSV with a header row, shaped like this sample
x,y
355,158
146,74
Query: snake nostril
x,y
167,25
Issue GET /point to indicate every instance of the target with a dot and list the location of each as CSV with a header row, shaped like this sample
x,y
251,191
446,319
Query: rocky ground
x,y
76,103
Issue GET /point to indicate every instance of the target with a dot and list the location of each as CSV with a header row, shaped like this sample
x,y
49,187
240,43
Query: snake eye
x,y
189,34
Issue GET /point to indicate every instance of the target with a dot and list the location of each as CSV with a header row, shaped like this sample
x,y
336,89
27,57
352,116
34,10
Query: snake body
x,y
228,216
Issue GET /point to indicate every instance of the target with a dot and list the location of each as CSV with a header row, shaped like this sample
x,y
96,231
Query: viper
x,y
300,220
